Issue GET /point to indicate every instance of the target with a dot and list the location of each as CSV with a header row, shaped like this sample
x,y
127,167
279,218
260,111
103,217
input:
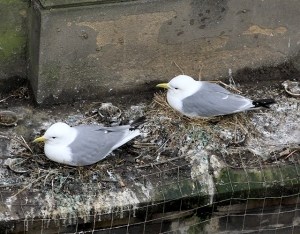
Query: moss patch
x,y
11,1
13,29
185,188
257,182
11,44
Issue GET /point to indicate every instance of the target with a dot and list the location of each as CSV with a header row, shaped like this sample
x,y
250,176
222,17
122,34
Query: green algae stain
x,y
9,1
196,225
257,182
13,29
11,44
181,189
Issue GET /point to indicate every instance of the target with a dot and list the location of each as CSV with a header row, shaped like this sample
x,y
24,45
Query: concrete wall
x,y
13,42
126,48
123,49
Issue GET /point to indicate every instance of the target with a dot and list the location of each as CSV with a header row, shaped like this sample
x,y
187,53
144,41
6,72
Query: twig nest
x,y
292,88
8,118
109,111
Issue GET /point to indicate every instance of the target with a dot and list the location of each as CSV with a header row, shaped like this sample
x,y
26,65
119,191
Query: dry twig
x,y
201,66
162,162
23,189
85,119
226,85
27,146
17,140
291,153
179,68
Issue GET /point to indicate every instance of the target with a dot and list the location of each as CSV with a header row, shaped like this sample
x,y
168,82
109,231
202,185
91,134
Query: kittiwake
x,y
204,99
85,145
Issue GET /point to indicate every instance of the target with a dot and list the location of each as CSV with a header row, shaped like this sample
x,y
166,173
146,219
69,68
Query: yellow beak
x,y
40,139
163,85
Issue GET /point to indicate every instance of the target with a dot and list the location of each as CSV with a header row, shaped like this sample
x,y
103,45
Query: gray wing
x,y
94,143
213,100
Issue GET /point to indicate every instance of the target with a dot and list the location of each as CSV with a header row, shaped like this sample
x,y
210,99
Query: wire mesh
x,y
242,203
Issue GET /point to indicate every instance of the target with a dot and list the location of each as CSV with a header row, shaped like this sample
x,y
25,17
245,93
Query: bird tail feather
x,y
132,133
136,123
133,126
263,103
127,137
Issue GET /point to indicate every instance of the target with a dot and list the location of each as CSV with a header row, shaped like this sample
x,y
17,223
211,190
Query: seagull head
x,y
57,134
180,86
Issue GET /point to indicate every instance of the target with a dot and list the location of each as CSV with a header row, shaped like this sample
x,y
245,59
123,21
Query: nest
x,y
168,129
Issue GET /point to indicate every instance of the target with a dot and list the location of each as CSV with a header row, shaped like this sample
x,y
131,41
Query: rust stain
x,y
255,29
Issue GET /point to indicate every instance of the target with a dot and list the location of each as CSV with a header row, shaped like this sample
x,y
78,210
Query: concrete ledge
x,y
56,211
181,175
96,51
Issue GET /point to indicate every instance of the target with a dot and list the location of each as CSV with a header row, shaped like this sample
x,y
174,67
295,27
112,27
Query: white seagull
x,y
85,145
204,99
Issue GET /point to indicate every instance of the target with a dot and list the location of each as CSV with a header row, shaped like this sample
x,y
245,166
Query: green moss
x,y
10,1
256,183
197,225
178,190
11,44
13,29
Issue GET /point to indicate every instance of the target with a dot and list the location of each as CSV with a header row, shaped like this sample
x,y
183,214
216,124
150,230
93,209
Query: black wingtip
x,y
263,102
137,122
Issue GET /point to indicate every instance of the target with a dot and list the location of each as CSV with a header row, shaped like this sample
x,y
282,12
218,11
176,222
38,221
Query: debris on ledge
x,y
176,157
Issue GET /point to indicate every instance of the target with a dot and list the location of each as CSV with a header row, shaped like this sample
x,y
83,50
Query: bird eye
x,y
53,137
176,88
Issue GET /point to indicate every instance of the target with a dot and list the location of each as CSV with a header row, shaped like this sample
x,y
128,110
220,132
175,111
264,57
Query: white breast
x,y
60,154
174,102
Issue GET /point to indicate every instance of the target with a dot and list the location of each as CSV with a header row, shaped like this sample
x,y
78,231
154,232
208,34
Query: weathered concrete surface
x,y
125,48
13,41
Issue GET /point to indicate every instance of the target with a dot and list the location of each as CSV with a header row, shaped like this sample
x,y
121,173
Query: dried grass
x,y
168,130
160,107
